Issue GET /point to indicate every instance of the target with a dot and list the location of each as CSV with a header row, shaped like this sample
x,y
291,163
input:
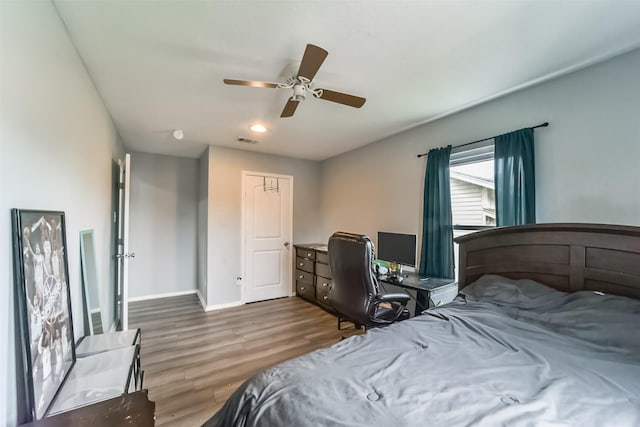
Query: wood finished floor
x,y
194,360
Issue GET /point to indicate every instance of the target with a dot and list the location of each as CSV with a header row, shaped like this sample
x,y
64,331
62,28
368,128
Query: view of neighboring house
x,y
472,194
473,199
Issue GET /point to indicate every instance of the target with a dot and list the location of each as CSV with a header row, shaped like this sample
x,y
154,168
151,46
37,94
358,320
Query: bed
x,y
544,332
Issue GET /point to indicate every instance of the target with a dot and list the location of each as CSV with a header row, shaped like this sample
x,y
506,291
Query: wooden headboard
x,y
567,257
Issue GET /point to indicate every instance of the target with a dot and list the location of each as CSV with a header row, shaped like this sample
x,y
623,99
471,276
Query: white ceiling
x,y
159,65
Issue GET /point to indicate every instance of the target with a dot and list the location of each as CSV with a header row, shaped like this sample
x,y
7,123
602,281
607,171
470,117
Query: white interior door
x,y
267,231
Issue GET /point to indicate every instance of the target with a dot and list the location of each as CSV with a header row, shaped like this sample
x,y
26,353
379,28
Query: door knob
x,y
286,244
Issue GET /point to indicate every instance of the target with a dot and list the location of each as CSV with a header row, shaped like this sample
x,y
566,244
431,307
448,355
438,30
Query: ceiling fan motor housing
x,y
299,92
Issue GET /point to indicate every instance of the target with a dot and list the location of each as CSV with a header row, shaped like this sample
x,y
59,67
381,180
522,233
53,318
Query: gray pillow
x,y
523,293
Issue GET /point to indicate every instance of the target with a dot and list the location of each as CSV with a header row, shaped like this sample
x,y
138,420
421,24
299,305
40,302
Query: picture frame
x,y
41,279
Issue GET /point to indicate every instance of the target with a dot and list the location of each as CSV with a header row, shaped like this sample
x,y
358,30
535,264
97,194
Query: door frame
x,y
125,242
244,175
121,256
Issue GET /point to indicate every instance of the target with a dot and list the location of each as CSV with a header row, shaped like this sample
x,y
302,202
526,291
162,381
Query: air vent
x,y
247,140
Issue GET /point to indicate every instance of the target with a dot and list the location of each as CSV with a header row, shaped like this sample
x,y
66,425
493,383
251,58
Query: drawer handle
x,y
301,264
325,297
325,285
300,276
309,254
302,288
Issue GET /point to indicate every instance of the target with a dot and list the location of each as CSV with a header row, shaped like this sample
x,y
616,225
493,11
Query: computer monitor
x,y
398,248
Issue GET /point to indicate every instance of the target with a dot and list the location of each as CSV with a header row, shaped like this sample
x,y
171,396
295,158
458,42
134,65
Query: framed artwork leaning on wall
x,y
41,276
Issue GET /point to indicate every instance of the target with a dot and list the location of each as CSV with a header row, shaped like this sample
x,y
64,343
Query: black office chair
x,y
354,293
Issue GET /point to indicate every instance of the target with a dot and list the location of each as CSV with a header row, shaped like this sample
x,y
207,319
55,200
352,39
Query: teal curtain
x,y
436,257
515,185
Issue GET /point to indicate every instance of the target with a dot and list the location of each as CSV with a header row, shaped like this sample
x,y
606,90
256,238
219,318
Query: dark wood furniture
x,y
567,257
431,291
313,278
133,409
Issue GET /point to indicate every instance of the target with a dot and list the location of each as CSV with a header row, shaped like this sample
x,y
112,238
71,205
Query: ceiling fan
x,y
302,83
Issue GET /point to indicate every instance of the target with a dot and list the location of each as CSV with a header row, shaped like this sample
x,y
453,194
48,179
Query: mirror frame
x,y
85,280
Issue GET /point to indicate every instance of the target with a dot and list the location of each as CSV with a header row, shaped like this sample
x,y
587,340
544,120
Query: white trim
x,y
225,305
203,302
244,174
125,242
214,307
166,295
243,206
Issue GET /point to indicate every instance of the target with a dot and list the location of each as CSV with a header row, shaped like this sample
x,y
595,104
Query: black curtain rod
x,y
542,125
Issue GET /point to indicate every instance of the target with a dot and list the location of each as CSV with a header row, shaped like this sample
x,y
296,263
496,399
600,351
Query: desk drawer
x,y
304,264
305,290
306,253
323,270
304,277
322,257
323,286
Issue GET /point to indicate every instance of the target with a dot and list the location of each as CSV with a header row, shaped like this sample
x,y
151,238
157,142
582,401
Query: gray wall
x,y
57,142
375,188
586,161
224,222
163,224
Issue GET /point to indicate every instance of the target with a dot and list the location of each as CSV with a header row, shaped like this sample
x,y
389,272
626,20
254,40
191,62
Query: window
x,y
473,201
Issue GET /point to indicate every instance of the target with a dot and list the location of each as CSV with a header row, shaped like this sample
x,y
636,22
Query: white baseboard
x,y
203,302
166,295
225,305
214,307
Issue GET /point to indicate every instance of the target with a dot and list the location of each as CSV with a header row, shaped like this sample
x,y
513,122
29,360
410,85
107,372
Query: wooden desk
x,y
430,291
129,409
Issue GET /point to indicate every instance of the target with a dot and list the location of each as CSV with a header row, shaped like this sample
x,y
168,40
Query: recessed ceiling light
x,y
258,128
178,134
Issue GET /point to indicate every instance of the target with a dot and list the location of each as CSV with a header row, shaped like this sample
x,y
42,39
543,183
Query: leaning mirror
x,y
90,285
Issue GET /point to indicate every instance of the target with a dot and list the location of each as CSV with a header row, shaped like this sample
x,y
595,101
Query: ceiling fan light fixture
x,y
300,91
258,128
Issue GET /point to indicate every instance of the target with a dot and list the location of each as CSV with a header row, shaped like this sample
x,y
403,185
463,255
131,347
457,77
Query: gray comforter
x,y
505,353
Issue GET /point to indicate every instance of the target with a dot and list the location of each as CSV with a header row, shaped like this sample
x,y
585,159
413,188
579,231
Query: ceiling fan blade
x,y
250,83
289,108
312,59
342,98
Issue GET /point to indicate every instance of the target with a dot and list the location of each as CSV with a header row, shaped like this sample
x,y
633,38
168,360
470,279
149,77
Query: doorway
x,y
267,231
120,243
